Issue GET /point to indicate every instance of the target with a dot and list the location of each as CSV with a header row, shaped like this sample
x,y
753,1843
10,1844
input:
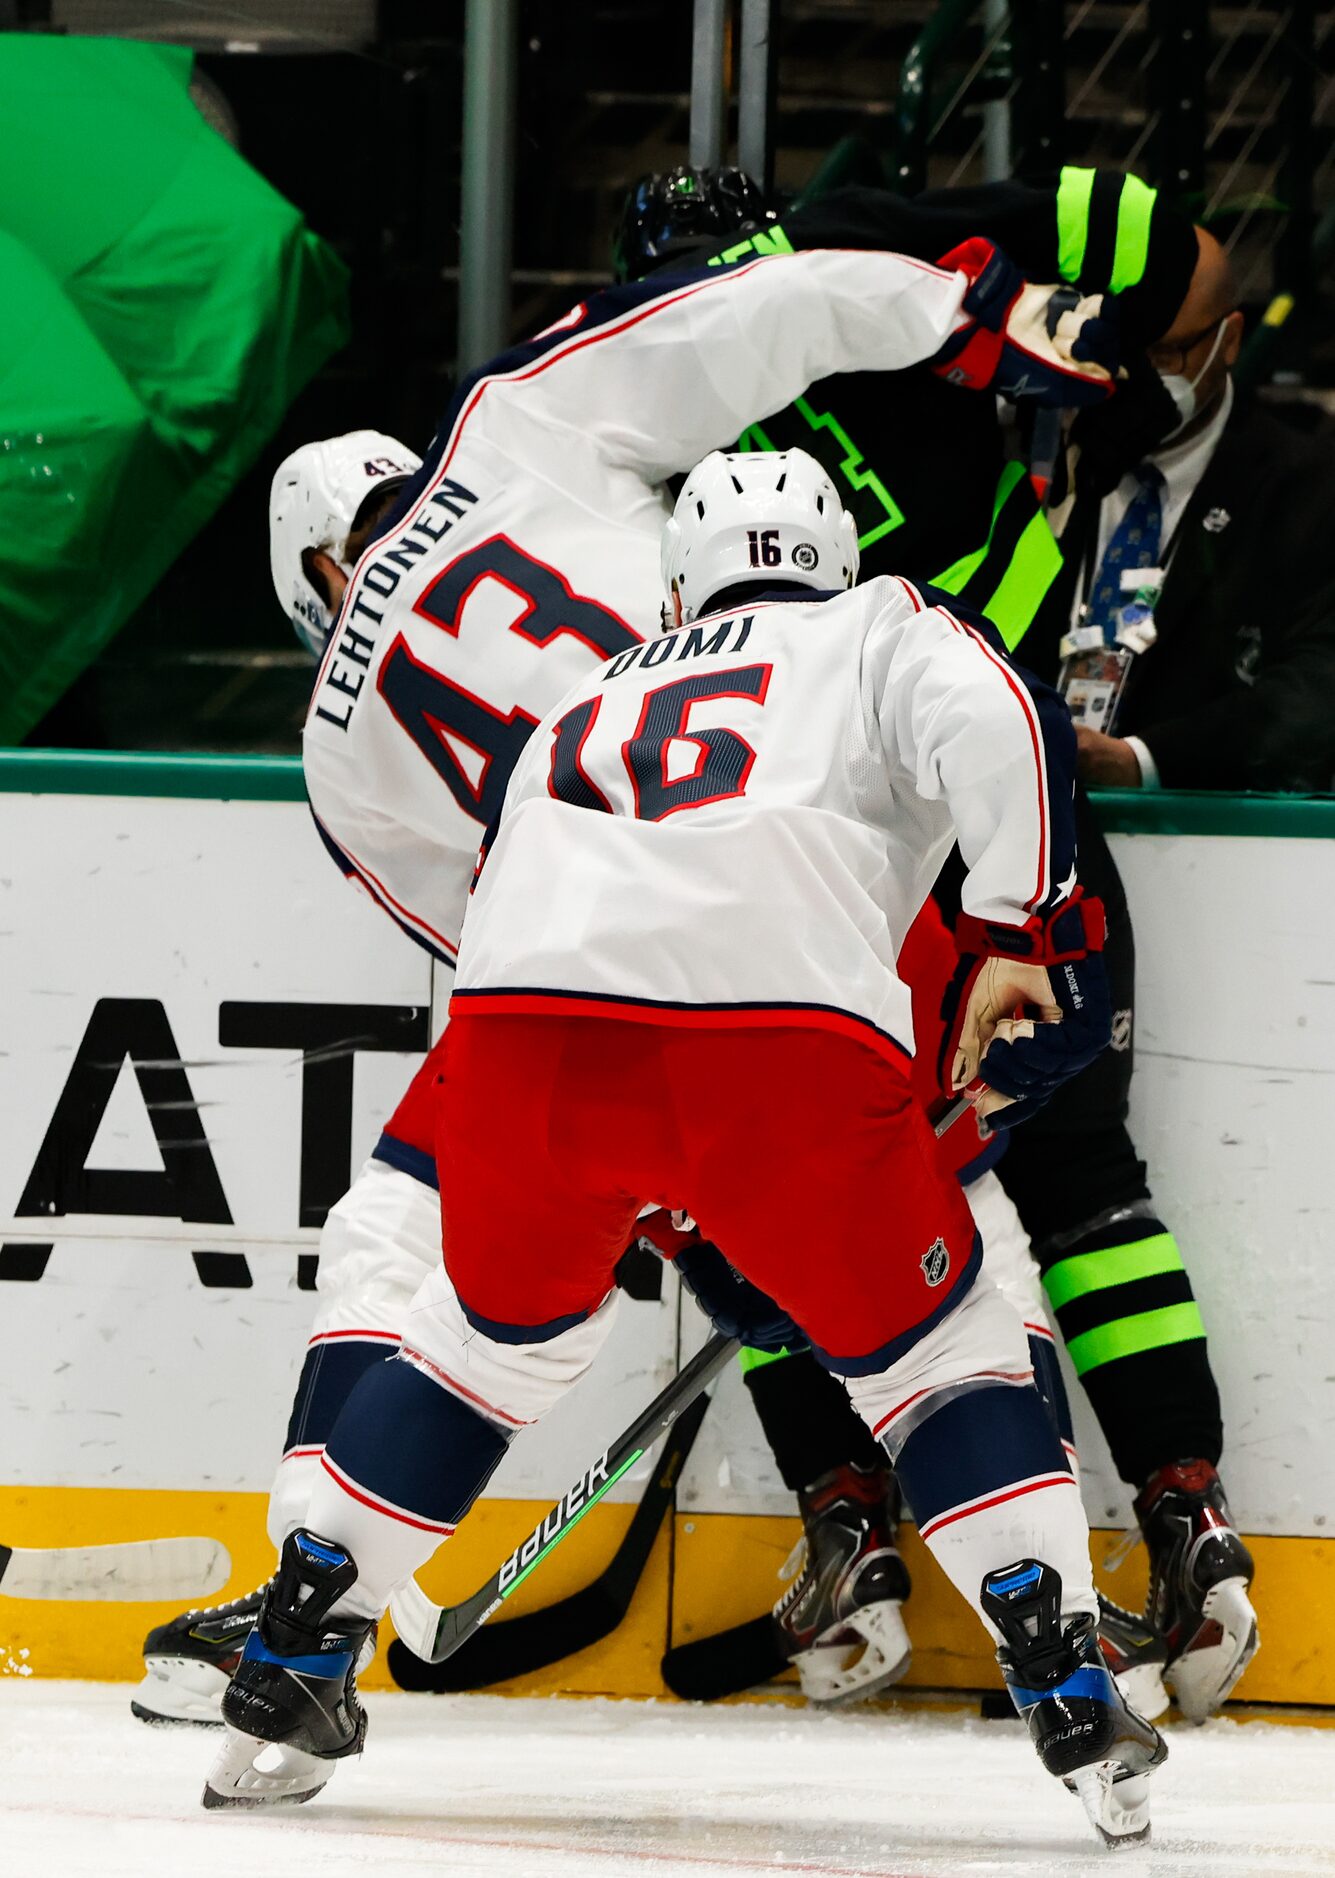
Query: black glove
x,y
732,1303
1121,433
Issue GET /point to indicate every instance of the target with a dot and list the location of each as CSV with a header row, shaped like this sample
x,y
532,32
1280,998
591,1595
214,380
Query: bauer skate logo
x,y
935,1262
578,1500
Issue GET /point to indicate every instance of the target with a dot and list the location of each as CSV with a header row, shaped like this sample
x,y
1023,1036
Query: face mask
x,y
1183,390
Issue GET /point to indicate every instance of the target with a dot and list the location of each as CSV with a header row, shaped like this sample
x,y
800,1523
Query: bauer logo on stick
x,y
935,1262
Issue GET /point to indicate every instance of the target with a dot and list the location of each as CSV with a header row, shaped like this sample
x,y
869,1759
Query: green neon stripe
x,y
853,467
959,573
1033,567
1135,207
1117,1265
764,241
571,1524
1176,1323
754,437
757,1359
1073,193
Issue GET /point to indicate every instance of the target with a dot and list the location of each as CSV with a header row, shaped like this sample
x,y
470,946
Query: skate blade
x,y
1143,1690
251,1772
1204,1675
857,1657
1118,1810
177,1689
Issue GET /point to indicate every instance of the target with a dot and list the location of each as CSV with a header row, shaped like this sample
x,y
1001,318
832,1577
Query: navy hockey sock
x,y
403,1464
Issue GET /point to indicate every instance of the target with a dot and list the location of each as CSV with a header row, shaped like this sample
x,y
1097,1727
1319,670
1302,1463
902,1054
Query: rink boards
x,y
202,1031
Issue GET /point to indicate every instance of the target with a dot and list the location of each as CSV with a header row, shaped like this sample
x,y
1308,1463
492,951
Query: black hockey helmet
x,y
673,215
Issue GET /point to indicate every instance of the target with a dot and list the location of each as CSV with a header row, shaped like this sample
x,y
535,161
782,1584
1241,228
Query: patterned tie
x,y
1134,543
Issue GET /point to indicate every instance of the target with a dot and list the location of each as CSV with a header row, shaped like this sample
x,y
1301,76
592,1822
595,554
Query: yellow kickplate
x,y
715,1570
726,1565
104,1641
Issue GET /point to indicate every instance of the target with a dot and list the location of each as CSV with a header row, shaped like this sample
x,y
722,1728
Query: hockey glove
x,y
1019,344
1026,1010
732,1303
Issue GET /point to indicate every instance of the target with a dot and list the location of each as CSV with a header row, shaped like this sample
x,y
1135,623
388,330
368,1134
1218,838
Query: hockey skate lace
x,y
1122,1551
233,1604
794,1562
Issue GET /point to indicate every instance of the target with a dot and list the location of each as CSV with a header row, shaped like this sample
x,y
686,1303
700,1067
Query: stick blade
x,y
736,1659
138,1571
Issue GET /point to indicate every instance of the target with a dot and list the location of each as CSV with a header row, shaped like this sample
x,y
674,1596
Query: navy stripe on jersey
x,y
1058,740
415,1162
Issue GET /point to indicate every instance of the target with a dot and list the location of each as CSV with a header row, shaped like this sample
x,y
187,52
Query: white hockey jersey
x,y
743,816
526,550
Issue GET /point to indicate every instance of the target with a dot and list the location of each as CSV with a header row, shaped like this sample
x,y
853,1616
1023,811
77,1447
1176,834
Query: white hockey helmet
x,y
313,503
755,516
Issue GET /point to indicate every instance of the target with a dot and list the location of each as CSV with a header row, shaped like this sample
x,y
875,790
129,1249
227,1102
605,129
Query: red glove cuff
x,y
1076,928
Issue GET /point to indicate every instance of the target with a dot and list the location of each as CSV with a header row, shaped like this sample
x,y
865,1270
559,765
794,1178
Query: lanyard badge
x,y
1094,670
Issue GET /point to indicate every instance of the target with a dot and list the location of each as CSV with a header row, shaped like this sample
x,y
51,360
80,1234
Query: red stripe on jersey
x,y
455,1387
380,891
362,1336
994,1499
378,1505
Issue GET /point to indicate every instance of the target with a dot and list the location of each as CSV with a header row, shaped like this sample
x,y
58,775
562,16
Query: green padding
x,y
118,773
1134,210
1073,193
1129,1336
757,1359
1118,1265
1212,812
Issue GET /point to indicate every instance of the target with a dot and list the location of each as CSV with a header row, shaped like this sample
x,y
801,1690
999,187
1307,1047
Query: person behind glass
x,y
1197,603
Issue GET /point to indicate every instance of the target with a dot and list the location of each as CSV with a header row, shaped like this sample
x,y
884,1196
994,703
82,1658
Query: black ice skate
x,y
1084,1732
1200,1573
1136,1654
292,1708
189,1662
840,1621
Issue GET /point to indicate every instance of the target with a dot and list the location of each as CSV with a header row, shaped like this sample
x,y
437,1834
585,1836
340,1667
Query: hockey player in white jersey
x,y
522,553
677,982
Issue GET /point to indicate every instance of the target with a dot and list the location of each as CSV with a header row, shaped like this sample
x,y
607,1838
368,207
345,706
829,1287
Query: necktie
x,y
1134,543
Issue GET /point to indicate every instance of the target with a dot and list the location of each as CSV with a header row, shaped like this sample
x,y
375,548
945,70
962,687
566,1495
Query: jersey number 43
x,y
439,715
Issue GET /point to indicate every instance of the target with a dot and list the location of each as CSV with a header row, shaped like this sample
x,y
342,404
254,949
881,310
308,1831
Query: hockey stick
x,y
749,1653
535,1639
433,1633
140,1570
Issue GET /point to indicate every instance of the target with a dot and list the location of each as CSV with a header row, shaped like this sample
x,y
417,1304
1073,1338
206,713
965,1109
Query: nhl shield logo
x,y
935,1262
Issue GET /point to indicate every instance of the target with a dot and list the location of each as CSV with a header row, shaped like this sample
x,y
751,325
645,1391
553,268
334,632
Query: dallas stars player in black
x,y
940,490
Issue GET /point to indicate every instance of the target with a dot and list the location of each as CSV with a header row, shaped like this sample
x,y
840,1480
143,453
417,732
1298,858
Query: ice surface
x,y
465,1785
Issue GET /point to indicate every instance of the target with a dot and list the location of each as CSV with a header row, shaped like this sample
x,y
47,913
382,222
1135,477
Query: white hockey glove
x,y
1025,341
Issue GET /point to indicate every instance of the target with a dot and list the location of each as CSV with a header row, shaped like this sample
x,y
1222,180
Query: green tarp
x,y
160,307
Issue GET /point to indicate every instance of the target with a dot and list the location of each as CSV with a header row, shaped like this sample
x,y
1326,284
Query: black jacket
x,y
1239,690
